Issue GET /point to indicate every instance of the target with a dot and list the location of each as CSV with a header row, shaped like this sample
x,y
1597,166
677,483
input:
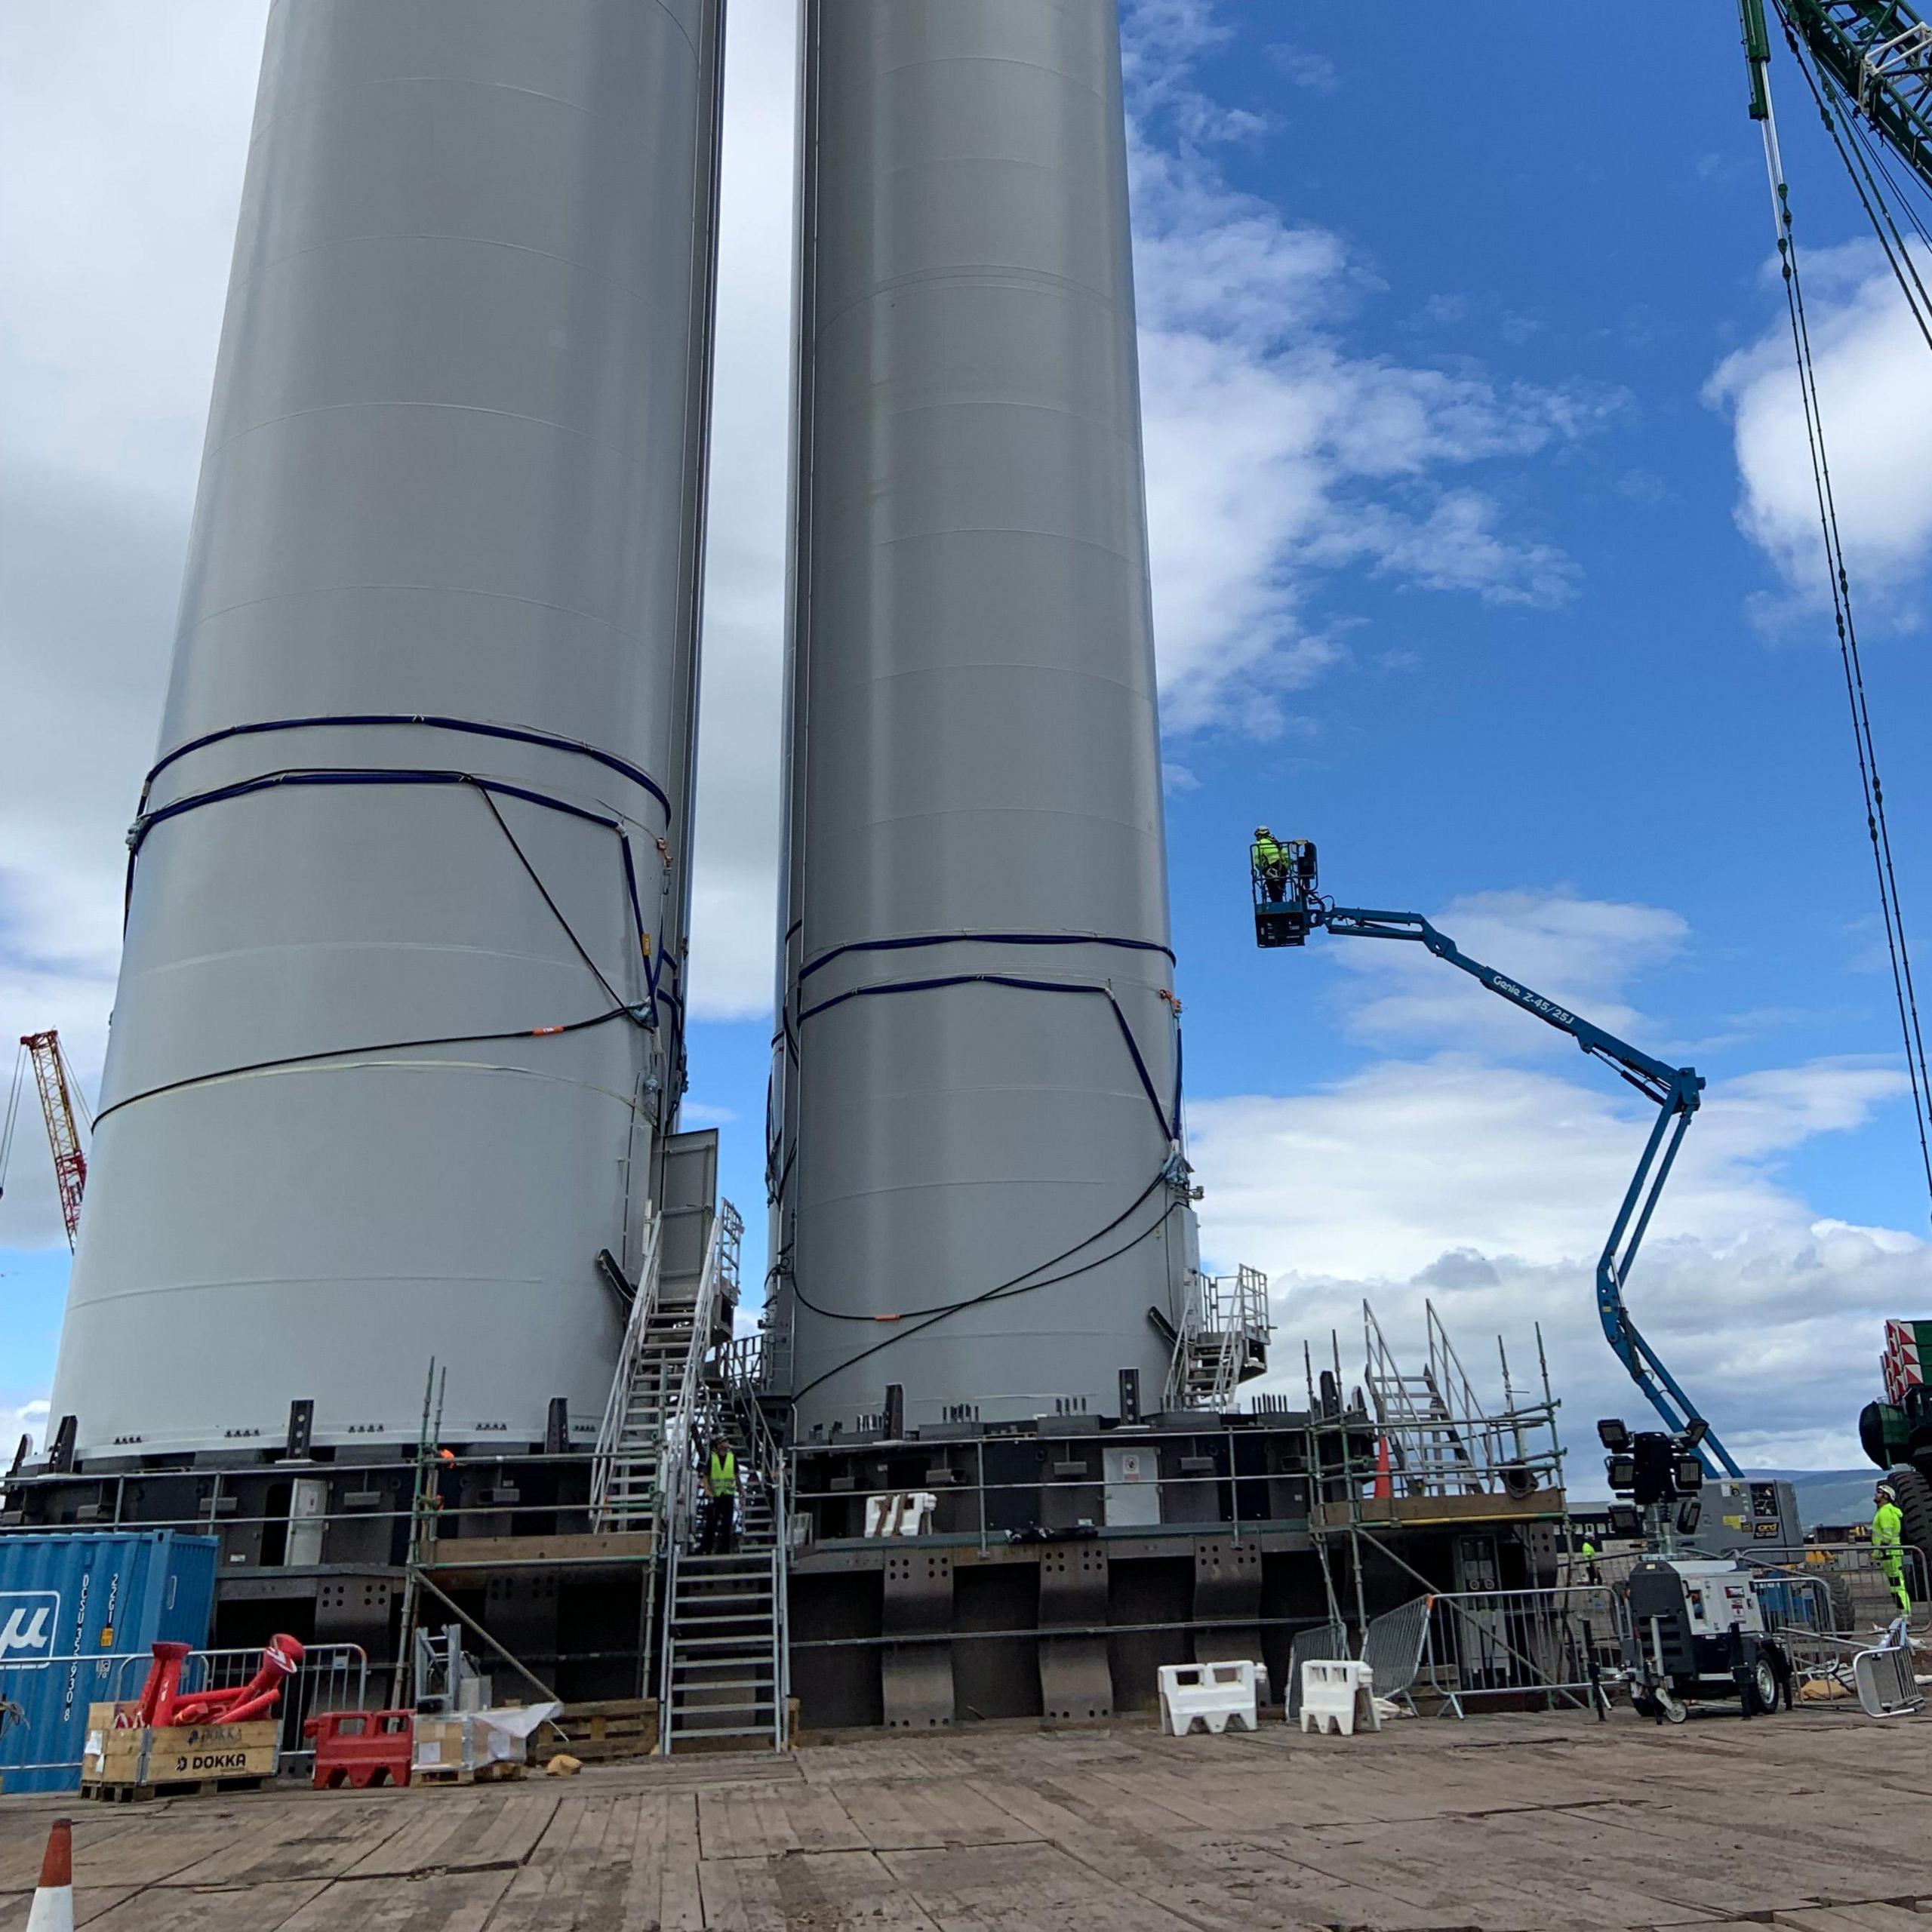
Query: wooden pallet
x,y
602,1731
501,1772
117,1793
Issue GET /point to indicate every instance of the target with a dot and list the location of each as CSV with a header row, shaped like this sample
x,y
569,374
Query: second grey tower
x,y
976,1109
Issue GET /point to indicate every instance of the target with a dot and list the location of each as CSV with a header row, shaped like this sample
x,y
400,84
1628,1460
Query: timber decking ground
x,y
1813,1822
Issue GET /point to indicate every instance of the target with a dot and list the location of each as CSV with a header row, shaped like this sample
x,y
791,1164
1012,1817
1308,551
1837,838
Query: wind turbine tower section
x,y
400,1010
978,1195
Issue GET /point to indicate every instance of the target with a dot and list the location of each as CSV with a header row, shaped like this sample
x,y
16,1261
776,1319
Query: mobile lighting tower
x,y
1289,905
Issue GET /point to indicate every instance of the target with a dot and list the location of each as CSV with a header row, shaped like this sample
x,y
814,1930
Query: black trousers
x,y
721,1526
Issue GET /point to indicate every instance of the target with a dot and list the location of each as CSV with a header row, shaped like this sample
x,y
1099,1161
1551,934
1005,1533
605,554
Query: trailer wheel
x,y
1914,1492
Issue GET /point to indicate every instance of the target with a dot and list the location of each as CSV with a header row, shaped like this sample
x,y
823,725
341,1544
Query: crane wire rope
x,y
77,1096
1918,1075
13,1114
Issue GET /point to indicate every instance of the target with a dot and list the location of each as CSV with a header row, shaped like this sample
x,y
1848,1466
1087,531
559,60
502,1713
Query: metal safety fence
x,y
44,1702
333,1677
1551,1645
1392,1647
1852,1580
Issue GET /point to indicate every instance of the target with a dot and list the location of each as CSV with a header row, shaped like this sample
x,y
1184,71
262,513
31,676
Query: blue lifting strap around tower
x,y
1288,906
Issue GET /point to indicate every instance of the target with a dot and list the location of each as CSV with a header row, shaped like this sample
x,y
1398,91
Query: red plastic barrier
x,y
358,1749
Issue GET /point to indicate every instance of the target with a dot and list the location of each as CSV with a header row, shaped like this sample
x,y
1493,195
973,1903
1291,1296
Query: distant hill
x,y
1828,1495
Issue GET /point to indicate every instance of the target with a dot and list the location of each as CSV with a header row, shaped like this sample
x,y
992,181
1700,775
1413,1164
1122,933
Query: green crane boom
x,y
1877,53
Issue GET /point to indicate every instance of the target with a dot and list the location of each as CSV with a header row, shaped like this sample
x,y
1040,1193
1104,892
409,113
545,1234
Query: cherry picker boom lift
x,y
1289,905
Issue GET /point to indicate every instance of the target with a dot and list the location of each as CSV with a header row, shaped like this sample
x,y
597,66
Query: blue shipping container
x,y
72,1605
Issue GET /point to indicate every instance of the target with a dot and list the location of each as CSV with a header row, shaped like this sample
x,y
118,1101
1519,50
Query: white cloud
x,y
1315,72
740,814
122,141
1490,1187
1580,953
1276,455
1874,387
30,1419
1162,41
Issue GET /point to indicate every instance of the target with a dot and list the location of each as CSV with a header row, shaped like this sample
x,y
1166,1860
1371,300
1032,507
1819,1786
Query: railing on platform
x,y
333,1677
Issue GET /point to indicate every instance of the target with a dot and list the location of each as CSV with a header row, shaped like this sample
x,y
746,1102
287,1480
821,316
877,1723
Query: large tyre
x,y
1915,1495
1845,1605
1871,1433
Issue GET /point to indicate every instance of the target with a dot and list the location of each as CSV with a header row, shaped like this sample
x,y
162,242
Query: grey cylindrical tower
x,y
977,1071
426,759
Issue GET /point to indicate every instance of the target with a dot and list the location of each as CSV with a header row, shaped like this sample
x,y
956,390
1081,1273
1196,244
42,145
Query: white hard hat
x,y
1262,831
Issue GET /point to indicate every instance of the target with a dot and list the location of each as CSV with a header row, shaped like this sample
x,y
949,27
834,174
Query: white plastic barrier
x,y
1336,1692
1214,1693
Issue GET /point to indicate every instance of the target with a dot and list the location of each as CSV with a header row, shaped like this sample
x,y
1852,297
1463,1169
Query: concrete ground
x,y
1820,1822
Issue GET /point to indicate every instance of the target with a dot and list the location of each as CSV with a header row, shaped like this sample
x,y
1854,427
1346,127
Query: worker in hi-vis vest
x,y
1888,1543
1269,857
720,1479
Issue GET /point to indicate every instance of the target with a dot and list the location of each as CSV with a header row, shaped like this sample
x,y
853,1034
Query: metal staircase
x,y
1438,1441
624,1488
680,1381
1223,1340
725,1669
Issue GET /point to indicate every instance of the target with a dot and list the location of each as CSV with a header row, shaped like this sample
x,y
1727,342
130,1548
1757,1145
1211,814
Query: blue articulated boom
x,y
1287,907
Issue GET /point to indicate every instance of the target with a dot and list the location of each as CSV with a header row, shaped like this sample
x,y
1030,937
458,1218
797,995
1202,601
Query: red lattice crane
x,y
60,1105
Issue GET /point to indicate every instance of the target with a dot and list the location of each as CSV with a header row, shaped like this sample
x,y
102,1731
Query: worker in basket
x,y
1888,1543
1270,858
721,1520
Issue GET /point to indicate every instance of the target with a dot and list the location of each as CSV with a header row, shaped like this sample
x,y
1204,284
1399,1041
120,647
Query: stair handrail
x,y
767,1456
644,1305
1175,1395
678,1467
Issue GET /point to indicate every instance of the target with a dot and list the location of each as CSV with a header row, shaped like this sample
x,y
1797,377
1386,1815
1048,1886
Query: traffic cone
x,y
1385,1486
53,1907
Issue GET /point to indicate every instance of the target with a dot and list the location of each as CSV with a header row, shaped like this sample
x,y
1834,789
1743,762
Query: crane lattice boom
x,y
63,1135
1877,53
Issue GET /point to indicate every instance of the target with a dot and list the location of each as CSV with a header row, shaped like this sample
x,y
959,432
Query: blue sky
x,y
1481,556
